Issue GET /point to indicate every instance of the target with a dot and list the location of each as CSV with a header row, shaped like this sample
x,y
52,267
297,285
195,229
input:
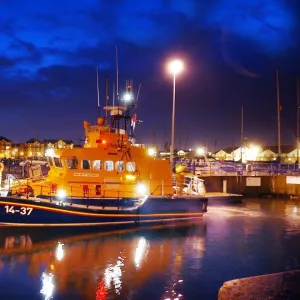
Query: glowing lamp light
x,y
130,177
49,152
61,194
141,189
151,152
176,66
200,151
127,97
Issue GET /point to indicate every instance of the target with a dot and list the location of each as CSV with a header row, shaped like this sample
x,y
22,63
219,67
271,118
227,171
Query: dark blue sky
x,y
50,50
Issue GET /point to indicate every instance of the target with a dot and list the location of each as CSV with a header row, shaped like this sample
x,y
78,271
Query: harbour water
x,y
190,261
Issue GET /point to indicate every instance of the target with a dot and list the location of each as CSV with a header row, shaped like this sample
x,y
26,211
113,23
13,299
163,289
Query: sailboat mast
x,y
106,99
298,116
114,94
242,133
117,74
278,115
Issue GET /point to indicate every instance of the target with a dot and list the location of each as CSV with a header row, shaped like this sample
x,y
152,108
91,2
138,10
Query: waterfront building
x,y
31,148
5,147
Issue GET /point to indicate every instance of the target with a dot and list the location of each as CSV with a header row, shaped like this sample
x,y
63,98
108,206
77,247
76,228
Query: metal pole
x,y
98,93
298,117
173,123
106,99
278,116
242,133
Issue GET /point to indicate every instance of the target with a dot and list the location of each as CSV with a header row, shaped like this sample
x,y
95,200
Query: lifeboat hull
x,y
46,213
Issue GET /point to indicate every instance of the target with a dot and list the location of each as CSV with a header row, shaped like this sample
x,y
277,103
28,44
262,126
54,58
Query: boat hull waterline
x,y
39,213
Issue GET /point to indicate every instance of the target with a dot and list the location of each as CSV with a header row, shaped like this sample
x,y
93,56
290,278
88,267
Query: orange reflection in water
x,y
101,266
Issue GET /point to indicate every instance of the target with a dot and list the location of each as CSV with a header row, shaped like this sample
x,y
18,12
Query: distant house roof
x,y
33,140
230,149
5,139
283,148
47,141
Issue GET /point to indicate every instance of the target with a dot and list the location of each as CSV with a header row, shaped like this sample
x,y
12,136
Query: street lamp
x,y
175,67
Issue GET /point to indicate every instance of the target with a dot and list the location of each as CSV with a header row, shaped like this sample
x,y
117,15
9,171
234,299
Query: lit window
x,y
72,162
109,165
130,166
120,166
97,165
57,162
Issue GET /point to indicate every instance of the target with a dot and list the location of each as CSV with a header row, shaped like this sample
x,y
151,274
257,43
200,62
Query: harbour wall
x,y
254,186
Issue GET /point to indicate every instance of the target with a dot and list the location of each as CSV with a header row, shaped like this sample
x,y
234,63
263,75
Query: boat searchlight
x,y
61,194
127,97
141,189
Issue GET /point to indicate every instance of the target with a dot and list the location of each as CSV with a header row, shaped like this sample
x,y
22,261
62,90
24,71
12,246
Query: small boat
x,y
109,181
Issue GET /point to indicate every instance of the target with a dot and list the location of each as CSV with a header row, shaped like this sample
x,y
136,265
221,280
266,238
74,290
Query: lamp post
x,y
175,67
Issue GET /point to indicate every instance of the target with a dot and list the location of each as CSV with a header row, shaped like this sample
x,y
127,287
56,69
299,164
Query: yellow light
x,y
49,152
151,152
200,151
141,189
61,194
176,66
130,177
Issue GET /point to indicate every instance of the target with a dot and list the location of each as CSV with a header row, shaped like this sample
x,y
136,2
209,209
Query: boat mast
x,y
98,93
278,115
242,132
106,99
298,116
114,94
117,75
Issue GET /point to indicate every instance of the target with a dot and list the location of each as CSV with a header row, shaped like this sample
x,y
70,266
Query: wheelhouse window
x,y
72,163
109,165
130,166
49,160
86,164
57,162
97,165
120,166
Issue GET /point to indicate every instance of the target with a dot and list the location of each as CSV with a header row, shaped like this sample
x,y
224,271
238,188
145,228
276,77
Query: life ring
x,y
25,191
1,167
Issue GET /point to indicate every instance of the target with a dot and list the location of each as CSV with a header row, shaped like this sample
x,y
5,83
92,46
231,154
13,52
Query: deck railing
x,y
219,168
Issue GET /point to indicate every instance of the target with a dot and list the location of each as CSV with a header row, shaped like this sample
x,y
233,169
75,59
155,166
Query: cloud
x,y
50,51
267,23
5,62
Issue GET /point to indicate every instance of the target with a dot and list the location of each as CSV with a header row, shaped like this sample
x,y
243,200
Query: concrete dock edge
x,y
277,286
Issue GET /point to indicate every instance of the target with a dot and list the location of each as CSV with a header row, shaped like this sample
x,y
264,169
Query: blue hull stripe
x,y
23,212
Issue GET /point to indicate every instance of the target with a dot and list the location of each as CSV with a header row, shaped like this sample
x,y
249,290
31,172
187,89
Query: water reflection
x,y
59,253
97,266
184,262
47,286
141,251
113,274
